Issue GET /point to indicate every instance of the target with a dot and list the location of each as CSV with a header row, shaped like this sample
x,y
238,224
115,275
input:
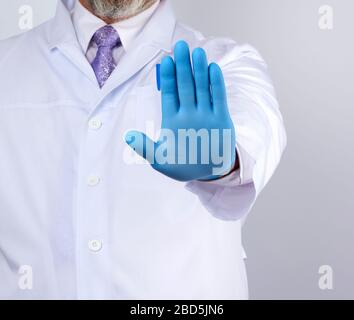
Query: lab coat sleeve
x,y
260,133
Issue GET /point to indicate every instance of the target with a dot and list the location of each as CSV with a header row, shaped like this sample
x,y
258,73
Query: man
x,y
81,217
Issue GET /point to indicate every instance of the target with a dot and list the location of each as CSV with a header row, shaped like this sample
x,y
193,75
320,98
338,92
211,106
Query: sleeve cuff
x,y
242,176
231,197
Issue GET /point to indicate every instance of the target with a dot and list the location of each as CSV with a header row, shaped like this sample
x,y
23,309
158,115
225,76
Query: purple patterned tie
x,y
106,39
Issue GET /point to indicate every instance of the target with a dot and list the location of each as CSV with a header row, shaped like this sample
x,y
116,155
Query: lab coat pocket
x,y
148,110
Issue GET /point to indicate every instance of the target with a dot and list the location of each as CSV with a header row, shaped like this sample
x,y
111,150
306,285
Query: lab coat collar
x,y
157,32
61,29
156,36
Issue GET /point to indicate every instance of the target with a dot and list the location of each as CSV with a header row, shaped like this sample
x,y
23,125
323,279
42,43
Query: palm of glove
x,y
197,140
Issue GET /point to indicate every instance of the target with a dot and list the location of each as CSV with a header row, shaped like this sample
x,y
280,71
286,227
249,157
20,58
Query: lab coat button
x,y
95,245
93,181
95,124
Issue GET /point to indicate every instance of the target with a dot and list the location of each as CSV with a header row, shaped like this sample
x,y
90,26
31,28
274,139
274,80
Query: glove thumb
x,y
141,144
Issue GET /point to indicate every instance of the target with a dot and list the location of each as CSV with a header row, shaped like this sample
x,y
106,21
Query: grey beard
x,y
119,9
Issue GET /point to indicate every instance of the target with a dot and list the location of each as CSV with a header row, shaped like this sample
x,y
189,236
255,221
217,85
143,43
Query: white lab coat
x,y
77,220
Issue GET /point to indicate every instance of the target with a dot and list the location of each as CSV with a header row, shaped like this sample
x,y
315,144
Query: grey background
x,y
304,218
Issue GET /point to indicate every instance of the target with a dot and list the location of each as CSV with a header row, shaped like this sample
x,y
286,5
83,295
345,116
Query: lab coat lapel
x,y
61,35
131,63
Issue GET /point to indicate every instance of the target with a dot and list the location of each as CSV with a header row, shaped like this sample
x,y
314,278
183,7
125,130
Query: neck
x,y
108,20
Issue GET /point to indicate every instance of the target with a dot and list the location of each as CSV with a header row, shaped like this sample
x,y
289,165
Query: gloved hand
x,y
197,139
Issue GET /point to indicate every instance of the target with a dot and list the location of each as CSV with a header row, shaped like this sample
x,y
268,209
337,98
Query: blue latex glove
x,y
190,100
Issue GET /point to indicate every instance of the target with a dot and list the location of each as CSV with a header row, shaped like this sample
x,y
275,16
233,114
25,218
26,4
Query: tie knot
x,y
106,36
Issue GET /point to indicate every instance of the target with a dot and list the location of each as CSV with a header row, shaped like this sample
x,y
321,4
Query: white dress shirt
x,y
78,218
86,24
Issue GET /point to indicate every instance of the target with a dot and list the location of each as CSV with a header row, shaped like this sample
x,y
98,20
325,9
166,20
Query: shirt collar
x,y
86,24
